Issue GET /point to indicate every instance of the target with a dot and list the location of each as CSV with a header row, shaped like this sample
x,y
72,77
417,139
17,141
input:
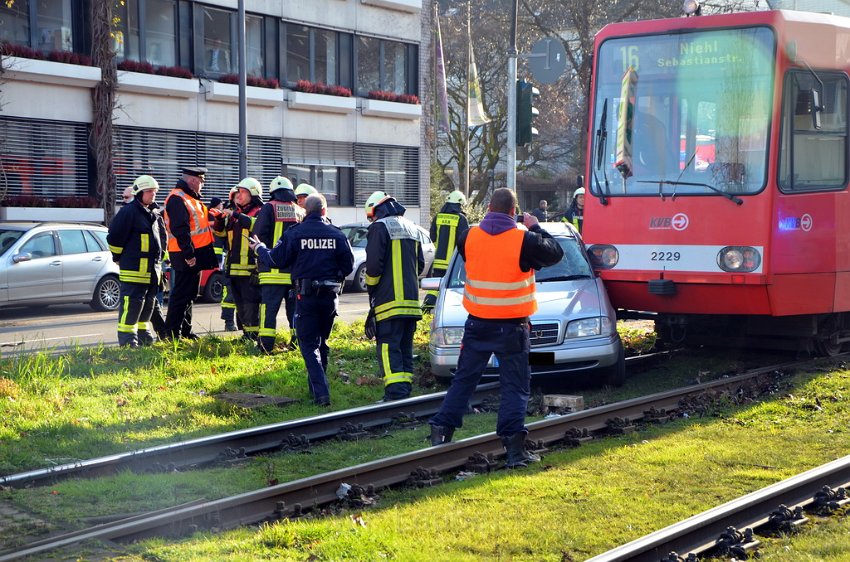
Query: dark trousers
x,y
134,313
314,318
246,295
509,341
228,307
178,320
431,296
394,347
272,295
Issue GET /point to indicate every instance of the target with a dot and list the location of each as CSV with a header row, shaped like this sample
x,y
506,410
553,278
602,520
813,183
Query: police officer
x,y
394,261
190,249
499,295
237,225
446,226
276,216
136,239
319,258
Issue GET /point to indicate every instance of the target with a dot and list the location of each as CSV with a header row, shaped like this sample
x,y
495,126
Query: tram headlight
x,y
603,256
739,259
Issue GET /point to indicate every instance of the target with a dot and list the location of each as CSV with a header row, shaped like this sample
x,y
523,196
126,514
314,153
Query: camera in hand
x,y
520,218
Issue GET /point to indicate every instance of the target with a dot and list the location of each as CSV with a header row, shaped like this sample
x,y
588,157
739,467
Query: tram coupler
x,y
733,542
785,519
827,500
574,436
352,432
422,477
295,443
619,426
405,420
480,463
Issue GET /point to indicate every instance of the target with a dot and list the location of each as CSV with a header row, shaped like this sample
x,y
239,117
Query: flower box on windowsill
x,y
412,6
61,214
157,85
221,91
49,72
321,102
394,110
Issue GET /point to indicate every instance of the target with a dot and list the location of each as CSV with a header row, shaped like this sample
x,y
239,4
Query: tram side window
x,y
810,158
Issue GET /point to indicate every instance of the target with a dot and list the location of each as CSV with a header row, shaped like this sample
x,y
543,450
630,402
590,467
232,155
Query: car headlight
x,y
442,337
739,259
589,327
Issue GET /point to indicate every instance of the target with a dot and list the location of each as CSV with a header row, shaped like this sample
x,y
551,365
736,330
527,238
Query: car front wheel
x,y
107,294
360,279
214,288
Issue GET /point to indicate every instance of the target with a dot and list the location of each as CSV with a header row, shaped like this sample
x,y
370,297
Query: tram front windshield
x,y
691,117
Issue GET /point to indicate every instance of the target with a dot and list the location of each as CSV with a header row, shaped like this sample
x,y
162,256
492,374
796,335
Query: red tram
x,y
718,169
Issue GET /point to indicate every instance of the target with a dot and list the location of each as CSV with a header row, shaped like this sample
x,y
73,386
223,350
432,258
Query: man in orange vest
x,y
190,248
501,257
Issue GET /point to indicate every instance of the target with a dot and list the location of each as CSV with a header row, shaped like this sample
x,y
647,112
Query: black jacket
x,y
446,226
137,241
273,220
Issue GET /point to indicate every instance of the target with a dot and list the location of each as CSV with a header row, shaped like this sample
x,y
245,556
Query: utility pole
x,y
466,189
512,63
243,110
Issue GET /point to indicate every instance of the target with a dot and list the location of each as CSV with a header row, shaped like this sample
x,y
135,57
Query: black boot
x,y
516,456
397,391
441,434
266,344
146,338
128,339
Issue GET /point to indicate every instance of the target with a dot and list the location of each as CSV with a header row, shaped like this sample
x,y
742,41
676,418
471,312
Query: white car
x,y
44,263
356,234
573,331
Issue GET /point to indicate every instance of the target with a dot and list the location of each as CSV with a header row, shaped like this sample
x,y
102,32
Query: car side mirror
x,y
430,283
25,256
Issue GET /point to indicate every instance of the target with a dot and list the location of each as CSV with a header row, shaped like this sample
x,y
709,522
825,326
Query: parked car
x,y
43,263
211,287
573,331
356,234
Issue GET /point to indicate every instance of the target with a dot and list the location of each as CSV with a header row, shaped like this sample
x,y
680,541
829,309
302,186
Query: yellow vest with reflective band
x,y
199,224
241,260
286,214
495,285
445,243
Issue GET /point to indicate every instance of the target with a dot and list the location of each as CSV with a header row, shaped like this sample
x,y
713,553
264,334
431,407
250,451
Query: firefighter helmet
x,y
144,183
305,189
253,186
456,197
579,191
280,182
374,200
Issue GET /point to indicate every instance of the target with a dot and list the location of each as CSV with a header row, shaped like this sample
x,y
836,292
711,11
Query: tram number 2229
x,y
665,256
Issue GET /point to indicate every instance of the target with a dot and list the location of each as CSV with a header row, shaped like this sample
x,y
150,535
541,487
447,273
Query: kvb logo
x,y
679,221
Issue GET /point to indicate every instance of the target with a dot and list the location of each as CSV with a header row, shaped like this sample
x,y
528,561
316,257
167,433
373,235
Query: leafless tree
x,y
103,105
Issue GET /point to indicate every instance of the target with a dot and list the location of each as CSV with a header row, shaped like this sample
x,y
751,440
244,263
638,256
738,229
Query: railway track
x,y
420,468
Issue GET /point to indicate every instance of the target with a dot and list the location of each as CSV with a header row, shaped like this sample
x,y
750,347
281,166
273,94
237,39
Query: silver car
x,y
44,263
573,331
356,234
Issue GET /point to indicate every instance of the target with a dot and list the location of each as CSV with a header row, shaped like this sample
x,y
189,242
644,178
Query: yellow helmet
x,y
252,185
280,182
305,189
456,197
373,201
144,183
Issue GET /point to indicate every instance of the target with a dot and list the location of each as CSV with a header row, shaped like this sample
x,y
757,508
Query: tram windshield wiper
x,y
734,198
601,142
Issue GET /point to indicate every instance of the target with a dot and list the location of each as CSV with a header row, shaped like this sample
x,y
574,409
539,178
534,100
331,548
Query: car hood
x,y
555,300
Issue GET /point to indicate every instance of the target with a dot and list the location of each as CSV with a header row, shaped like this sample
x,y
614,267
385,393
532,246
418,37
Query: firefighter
x,y
575,214
276,216
228,307
446,227
319,257
241,264
394,261
137,241
302,191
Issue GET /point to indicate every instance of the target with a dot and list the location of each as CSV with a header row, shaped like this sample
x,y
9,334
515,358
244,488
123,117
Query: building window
x,y
15,22
54,26
315,55
145,30
386,65
387,168
160,37
218,41
326,179
254,46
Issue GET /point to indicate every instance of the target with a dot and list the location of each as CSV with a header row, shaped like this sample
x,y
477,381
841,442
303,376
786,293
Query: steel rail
x,y
205,450
699,533
291,498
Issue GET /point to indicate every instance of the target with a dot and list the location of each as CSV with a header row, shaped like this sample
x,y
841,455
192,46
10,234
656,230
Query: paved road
x,y
62,327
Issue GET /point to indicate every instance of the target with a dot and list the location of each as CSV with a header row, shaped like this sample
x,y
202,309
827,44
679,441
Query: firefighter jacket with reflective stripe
x,y
189,232
495,285
238,227
394,260
273,220
136,239
445,228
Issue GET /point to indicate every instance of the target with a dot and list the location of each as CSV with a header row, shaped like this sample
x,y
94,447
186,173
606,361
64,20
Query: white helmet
x,y
579,191
456,197
305,189
280,182
144,183
252,185
374,200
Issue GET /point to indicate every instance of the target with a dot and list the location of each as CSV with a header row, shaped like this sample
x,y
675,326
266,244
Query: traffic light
x,y
526,94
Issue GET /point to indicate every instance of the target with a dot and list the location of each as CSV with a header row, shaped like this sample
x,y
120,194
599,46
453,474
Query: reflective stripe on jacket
x,y
285,214
495,285
393,261
446,227
199,224
241,260
135,239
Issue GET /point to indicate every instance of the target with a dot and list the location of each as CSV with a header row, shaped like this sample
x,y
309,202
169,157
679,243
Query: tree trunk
x,y
103,104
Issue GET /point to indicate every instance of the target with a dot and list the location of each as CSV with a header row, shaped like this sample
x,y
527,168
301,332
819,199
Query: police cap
x,y
194,171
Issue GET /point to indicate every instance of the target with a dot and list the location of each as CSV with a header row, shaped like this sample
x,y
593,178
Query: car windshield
x,y
574,265
356,235
7,238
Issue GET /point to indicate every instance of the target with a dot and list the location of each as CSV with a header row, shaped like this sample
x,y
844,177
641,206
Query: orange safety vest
x,y
199,223
495,285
